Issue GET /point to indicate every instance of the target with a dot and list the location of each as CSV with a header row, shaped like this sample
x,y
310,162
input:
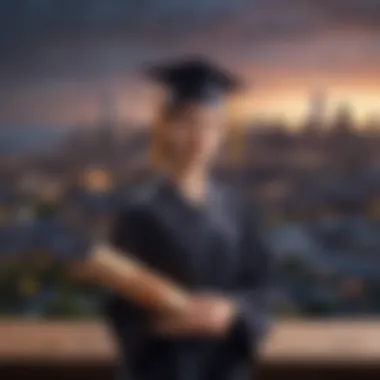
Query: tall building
x,y
372,124
316,111
105,137
343,122
108,119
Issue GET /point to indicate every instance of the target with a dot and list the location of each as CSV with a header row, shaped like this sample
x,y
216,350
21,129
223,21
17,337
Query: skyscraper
x,y
343,122
108,118
317,111
105,136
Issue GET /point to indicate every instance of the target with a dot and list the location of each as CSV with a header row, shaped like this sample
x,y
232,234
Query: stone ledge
x,y
337,342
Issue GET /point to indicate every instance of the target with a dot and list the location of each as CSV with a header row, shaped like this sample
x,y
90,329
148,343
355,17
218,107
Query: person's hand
x,y
205,315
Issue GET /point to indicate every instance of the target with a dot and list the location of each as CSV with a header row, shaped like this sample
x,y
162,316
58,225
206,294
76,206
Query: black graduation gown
x,y
216,248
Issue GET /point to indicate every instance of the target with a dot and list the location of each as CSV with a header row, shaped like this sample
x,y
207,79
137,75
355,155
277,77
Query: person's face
x,y
195,134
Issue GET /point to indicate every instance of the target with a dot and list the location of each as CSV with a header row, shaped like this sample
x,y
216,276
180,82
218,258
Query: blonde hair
x,y
160,152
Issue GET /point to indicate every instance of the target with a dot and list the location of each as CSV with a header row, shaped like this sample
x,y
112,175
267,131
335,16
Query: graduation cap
x,y
194,80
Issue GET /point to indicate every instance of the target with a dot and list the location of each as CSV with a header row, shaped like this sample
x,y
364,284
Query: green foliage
x,y
293,266
24,285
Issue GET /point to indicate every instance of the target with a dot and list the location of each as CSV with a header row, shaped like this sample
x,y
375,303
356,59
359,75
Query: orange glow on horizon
x,y
293,107
281,95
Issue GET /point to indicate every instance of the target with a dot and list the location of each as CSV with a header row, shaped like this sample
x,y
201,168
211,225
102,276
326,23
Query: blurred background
x,y
75,119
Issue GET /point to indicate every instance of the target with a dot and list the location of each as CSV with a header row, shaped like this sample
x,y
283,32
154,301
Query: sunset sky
x,y
60,56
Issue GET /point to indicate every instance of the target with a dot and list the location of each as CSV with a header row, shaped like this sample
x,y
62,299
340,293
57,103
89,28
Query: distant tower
x,y
343,122
108,116
317,111
106,131
372,124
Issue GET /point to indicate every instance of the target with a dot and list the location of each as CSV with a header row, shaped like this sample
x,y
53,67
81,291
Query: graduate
x,y
196,234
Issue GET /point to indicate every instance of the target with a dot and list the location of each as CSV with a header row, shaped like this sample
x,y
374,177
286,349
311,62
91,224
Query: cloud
x,y
80,18
87,40
354,13
89,37
28,21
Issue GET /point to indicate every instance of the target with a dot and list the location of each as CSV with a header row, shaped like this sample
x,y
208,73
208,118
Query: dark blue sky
x,y
58,54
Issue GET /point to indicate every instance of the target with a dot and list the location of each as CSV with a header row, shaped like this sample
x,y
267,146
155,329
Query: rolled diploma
x,y
133,280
